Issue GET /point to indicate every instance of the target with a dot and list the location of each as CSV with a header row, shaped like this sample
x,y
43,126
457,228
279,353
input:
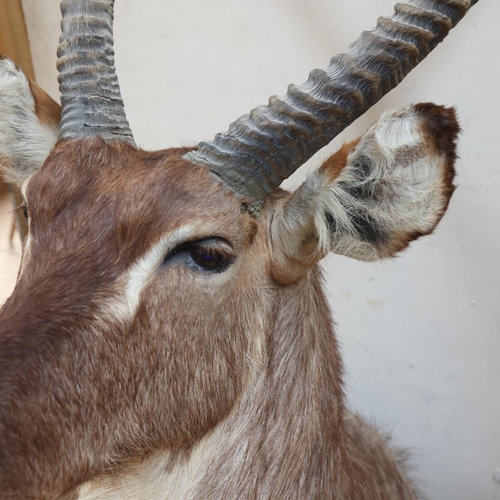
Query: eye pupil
x,y
24,210
208,258
213,255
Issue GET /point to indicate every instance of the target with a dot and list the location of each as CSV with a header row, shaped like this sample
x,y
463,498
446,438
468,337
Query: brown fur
x,y
91,395
83,396
332,166
441,130
47,110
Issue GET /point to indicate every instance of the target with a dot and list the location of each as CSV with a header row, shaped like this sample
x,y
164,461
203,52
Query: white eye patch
x,y
124,305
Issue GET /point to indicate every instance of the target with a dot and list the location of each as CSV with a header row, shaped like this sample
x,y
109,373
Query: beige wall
x,y
421,335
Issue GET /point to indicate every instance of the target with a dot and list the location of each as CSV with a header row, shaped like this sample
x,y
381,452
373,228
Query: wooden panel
x,y
13,35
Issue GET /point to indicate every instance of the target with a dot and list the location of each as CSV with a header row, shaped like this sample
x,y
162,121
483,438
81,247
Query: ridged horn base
x,y
90,94
266,146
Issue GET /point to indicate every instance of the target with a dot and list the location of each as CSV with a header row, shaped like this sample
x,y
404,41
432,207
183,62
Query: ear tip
x,y
442,127
434,111
439,118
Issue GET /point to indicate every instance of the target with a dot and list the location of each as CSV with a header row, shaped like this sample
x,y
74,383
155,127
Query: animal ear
x,y
374,196
29,124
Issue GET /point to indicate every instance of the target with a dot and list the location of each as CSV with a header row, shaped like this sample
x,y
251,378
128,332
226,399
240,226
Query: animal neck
x,y
284,437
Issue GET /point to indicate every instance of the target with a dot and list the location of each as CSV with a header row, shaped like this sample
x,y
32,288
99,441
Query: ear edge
x,y
28,124
432,132
47,110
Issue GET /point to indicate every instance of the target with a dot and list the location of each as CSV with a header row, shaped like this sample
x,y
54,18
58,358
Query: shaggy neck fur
x,y
284,438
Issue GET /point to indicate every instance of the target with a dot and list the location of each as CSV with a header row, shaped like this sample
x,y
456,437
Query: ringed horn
x,y
266,146
90,94
263,148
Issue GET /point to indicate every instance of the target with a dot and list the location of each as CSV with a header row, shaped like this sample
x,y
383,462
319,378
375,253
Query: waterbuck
x,y
168,336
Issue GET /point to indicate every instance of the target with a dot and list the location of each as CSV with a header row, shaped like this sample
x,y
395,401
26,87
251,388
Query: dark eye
x,y
24,210
213,255
209,258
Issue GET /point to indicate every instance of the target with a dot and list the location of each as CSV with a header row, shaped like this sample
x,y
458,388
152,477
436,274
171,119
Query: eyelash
x,y
23,208
208,255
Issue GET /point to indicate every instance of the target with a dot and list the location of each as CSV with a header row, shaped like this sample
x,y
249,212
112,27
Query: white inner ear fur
x,y
25,143
392,186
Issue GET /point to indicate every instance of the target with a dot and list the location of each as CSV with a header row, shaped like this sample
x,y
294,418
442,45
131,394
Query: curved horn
x,y
265,147
90,93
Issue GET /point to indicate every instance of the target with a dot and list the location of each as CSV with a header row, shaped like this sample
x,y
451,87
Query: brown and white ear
x,y
29,124
374,196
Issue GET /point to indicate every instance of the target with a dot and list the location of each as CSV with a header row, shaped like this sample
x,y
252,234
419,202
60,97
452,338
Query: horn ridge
x,y
90,93
264,147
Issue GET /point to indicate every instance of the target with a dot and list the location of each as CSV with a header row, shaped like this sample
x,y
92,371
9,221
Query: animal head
x,y
150,281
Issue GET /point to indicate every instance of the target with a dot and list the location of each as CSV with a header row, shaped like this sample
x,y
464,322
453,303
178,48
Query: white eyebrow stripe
x,y
124,306
24,187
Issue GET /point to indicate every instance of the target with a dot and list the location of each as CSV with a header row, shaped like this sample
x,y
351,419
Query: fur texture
x,y
374,196
140,374
29,124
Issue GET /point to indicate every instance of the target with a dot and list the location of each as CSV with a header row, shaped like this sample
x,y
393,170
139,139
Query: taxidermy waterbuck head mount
x,y
168,336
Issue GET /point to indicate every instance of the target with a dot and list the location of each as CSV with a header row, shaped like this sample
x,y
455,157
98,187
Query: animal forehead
x,y
91,184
